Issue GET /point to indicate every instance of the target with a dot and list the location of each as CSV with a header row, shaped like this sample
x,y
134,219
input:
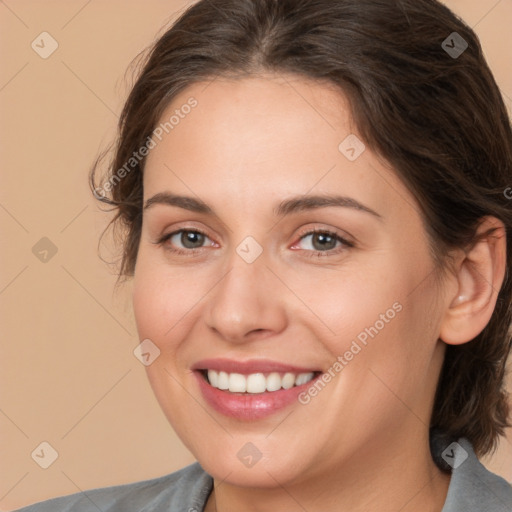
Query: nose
x,y
246,303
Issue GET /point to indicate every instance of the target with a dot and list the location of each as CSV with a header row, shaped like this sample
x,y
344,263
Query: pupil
x,y
325,242
192,240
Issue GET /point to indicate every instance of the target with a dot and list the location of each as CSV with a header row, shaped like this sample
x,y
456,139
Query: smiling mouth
x,y
255,383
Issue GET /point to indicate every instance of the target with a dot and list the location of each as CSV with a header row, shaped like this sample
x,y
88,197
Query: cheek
x,y
164,297
346,301
150,303
381,318
163,303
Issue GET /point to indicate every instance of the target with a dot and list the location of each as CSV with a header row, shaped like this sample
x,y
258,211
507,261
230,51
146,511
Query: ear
x,y
479,274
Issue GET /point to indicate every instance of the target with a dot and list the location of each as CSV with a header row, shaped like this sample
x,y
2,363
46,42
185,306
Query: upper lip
x,y
249,366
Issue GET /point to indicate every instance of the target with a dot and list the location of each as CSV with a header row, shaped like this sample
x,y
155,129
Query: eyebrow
x,y
287,207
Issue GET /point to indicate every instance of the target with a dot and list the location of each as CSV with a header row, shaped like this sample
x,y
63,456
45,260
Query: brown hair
x,y
437,118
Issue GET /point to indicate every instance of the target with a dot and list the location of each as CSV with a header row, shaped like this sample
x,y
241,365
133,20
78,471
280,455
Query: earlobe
x,y
479,276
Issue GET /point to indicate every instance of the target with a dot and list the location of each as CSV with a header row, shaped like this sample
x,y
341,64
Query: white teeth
x,y
213,377
303,378
256,382
288,380
237,383
273,382
223,382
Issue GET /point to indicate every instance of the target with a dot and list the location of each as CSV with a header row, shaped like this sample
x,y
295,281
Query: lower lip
x,y
249,406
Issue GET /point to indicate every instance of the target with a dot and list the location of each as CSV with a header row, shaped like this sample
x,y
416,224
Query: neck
x,y
401,476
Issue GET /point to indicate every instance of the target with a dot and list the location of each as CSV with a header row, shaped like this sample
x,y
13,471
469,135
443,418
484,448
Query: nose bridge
x,y
242,301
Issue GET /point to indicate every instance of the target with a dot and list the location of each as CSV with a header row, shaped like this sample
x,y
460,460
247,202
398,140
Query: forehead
x,y
262,138
254,118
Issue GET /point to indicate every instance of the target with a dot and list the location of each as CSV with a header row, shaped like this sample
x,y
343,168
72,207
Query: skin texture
x,y
248,145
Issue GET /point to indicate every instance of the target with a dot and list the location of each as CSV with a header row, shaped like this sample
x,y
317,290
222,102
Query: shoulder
x,y
472,486
185,490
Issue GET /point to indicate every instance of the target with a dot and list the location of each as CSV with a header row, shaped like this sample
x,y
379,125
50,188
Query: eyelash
x,y
331,252
182,252
309,254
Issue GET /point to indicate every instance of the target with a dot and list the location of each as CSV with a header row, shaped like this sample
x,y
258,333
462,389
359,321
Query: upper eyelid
x,y
167,236
307,232
340,238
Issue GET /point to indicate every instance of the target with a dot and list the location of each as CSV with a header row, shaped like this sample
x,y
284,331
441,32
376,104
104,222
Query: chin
x,y
265,474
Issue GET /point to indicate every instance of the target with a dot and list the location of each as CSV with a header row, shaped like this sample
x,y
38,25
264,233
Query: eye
x,y
315,242
322,241
185,241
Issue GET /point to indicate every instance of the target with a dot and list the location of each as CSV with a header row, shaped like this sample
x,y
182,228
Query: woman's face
x,y
275,248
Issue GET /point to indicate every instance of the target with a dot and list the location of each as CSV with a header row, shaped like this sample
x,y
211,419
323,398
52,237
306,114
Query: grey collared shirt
x,y
472,489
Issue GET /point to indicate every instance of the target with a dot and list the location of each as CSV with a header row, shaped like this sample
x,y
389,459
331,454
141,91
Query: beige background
x,y
68,373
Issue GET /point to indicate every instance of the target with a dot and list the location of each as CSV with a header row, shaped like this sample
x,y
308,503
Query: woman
x,y
316,220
